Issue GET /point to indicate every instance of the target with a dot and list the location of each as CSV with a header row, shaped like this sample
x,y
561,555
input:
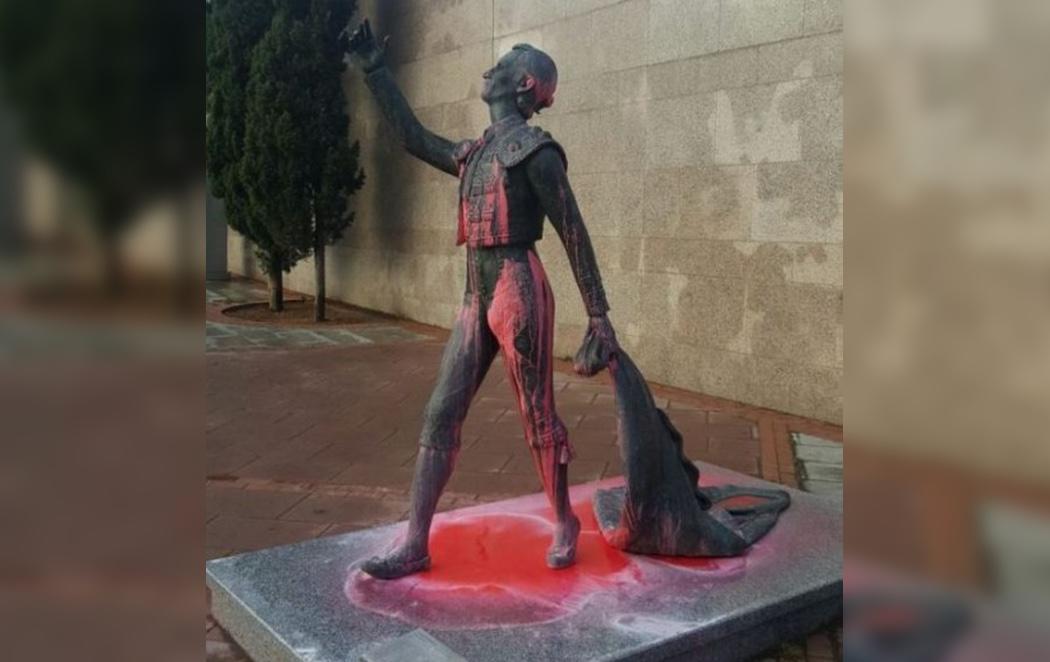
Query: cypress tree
x,y
234,28
299,168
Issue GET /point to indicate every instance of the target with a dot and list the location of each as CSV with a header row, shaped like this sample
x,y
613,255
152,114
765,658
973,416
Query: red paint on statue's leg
x,y
545,460
549,424
509,318
522,317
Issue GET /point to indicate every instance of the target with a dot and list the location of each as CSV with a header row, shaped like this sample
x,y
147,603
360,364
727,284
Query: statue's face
x,y
501,81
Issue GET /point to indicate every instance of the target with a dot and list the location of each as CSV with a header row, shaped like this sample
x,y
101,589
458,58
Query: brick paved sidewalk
x,y
320,441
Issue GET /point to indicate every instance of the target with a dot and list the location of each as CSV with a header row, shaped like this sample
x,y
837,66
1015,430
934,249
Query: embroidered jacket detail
x,y
496,204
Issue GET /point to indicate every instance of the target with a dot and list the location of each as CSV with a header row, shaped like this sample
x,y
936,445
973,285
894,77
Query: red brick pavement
x,y
321,441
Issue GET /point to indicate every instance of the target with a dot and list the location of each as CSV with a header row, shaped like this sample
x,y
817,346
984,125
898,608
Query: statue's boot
x,y
562,552
394,567
433,469
555,476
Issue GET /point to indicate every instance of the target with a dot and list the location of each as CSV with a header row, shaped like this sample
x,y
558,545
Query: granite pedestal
x,y
489,596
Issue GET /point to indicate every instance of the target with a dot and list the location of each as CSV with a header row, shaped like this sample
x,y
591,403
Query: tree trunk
x,y
276,290
319,284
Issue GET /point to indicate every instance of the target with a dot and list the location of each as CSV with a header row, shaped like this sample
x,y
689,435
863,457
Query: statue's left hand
x,y
602,327
598,348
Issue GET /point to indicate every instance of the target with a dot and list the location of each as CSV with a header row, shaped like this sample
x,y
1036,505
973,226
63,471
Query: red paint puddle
x,y
489,570
497,553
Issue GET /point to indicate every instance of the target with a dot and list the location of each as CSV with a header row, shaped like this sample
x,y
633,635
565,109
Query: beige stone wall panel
x,y
753,22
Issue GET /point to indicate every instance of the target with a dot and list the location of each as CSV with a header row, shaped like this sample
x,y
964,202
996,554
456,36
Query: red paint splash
x,y
484,219
523,304
497,553
488,570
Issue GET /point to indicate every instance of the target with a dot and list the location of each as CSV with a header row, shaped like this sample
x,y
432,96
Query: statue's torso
x,y
497,206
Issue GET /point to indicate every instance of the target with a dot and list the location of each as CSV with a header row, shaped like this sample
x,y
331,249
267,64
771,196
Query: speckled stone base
x,y
489,596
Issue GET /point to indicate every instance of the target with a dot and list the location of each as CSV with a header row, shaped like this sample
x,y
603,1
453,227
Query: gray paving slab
x,y
221,336
234,292
820,464
823,487
831,454
489,596
823,471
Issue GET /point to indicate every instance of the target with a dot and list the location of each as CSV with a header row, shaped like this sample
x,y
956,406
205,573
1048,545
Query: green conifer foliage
x,y
234,28
299,168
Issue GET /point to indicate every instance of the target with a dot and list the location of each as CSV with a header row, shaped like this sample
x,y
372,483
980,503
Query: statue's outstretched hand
x,y
598,348
365,52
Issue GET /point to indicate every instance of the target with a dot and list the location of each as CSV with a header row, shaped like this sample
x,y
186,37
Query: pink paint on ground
x,y
488,570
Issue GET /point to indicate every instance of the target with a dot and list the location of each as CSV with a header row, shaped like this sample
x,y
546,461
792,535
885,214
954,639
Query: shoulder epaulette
x,y
520,144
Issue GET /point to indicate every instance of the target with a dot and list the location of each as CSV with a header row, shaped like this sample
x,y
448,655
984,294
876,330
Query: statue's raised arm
x,y
367,54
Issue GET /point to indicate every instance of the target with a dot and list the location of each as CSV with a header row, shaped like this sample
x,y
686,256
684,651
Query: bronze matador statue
x,y
510,178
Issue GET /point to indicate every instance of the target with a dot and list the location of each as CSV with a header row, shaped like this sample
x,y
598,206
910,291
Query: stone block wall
x,y
705,147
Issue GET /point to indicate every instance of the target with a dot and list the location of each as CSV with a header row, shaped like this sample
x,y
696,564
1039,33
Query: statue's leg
x,y
555,476
468,355
522,318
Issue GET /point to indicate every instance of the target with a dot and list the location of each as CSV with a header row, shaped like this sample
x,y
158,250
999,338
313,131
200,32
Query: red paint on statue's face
x,y
488,570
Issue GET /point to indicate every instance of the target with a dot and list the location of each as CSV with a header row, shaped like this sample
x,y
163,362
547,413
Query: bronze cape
x,y
662,509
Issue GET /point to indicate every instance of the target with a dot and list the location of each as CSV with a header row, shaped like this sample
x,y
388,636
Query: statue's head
x,y
525,74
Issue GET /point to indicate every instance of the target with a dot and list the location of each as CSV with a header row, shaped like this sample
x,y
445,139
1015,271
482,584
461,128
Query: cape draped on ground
x,y
662,509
